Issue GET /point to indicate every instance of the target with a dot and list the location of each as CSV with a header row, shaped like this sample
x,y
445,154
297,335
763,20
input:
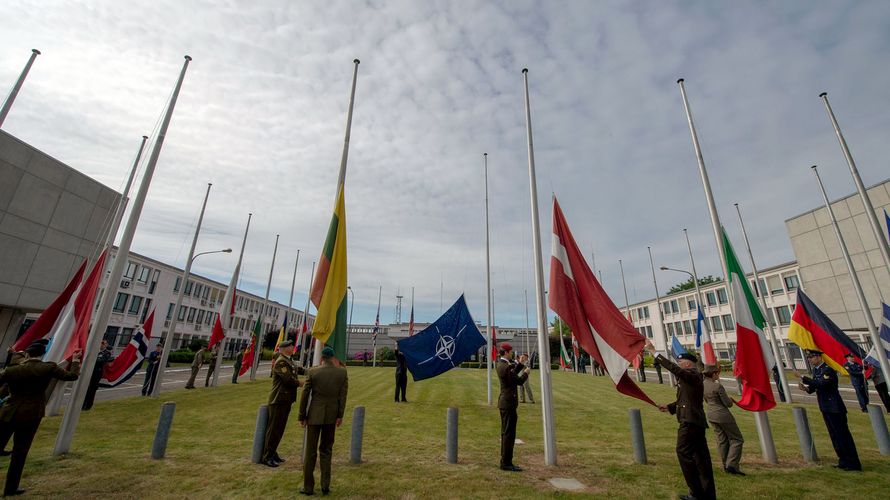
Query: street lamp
x,y
227,250
349,323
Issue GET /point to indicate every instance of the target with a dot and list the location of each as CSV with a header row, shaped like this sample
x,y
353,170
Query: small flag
x,y
564,360
329,287
282,334
130,359
812,329
376,326
445,344
703,339
247,359
494,344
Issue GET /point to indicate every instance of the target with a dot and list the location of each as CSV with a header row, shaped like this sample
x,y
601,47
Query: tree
x,y
689,284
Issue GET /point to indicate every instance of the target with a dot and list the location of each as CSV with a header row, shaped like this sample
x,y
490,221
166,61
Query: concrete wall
x,y
823,271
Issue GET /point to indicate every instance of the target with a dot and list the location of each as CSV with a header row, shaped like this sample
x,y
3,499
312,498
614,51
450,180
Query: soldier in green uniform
x,y
511,375
237,366
283,395
213,355
197,363
321,408
22,413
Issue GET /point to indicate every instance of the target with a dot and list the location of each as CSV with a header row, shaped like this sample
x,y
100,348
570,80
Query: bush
x,y
181,356
196,344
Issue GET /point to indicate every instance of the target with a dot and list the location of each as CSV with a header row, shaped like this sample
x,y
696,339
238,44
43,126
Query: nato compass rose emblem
x,y
444,347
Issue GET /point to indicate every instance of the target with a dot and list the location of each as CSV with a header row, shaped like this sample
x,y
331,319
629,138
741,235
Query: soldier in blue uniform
x,y
824,384
857,379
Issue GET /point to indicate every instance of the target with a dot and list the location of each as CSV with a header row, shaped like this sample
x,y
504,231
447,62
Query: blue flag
x,y
698,328
446,343
884,333
676,348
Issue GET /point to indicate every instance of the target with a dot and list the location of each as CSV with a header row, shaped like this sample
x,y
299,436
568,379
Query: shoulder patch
x,y
825,376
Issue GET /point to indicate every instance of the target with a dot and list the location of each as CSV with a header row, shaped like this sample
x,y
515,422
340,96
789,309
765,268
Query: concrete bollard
x,y
879,426
636,436
159,446
259,434
451,435
358,428
807,446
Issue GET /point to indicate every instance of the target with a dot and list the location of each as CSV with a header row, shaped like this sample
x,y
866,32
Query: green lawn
x,y
404,452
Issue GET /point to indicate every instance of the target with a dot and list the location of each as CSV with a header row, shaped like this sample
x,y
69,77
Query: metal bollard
x,y
259,434
636,436
807,446
159,446
451,435
879,425
358,428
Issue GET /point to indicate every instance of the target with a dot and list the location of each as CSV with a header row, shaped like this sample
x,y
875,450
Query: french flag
x,y
130,360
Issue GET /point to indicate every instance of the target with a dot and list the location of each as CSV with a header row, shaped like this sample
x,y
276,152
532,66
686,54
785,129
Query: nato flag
x,y
447,343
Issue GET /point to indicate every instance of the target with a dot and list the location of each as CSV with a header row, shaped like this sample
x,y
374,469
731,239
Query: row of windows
x,y
137,305
142,275
719,297
725,322
646,331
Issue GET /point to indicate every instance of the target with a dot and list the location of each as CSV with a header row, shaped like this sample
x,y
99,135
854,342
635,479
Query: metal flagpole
x,y
168,345
664,336
227,301
290,301
527,346
761,419
488,341
866,201
881,354
772,335
263,313
541,306
698,295
377,327
18,85
124,199
301,337
627,306
97,332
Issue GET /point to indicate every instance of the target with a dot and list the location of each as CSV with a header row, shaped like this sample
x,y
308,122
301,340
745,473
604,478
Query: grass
x,y
208,455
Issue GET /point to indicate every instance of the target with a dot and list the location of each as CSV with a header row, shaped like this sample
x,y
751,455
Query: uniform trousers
x,y
729,443
278,414
526,390
22,436
862,395
842,440
209,373
508,435
314,450
882,392
695,461
401,386
191,383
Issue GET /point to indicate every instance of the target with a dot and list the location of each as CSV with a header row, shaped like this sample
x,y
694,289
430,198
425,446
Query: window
x,y
111,334
645,311
144,273
754,288
124,338
775,285
121,302
192,312
135,304
728,324
242,324
670,328
712,299
231,320
716,326
675,307
177,284
181,315
784,314
791,282
771,317
154,281
667,308
206,291
762,287
648,331
170,310
686,330
200,318
188,287
210,317
721,295
145,309
198,288
131,270
691,304
215,295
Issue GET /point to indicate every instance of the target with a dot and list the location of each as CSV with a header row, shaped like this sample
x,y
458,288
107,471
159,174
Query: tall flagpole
x,y
863,194
234,284
698,295
761,419
300,335
72,414
527,346
124,199
541,306
18,86
772,335
376,325
263,312
488,341
664,336
881,354
293,283
168,345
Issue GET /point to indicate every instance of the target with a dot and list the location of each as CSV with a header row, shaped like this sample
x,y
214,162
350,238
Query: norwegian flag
x,y
130,359
376,327
601,329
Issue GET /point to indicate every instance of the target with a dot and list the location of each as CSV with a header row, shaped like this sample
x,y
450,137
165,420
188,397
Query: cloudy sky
x,y
262,115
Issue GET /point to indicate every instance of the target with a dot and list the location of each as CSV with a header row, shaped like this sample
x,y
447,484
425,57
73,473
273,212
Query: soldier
x,y
877,378
525,389
239,358
401,375
213,356
511,375
857,379
321,409
692,447
834,413
22,413
284,392
15,358
197,363
729,437
151,369
105,356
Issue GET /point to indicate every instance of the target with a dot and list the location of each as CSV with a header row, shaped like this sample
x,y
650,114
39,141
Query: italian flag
x,y
329,286
754,359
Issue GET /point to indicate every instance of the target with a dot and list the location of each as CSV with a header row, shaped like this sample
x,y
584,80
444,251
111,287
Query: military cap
x,y
506,347
36,349
286,343
688,356
849,355
327,352
813,352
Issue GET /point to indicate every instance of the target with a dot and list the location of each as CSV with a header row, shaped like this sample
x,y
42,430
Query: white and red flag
x,y
601,329
226,310
63,305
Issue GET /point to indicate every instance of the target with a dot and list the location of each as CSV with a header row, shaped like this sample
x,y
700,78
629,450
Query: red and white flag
x,y
226,310
609,338
50,316
494,344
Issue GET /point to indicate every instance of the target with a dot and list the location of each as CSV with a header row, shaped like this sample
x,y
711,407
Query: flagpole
x,y
263,312
97,332
863,193
290,301
411,326
761,418
562,342
541,307
377,326
234,286
664,337
627,306
527,345
305,321
880,353
772,335
487,281
165,354
18,85
698,295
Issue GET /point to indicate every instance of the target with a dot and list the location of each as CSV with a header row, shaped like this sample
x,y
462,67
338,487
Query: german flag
x,y
329,287
812,329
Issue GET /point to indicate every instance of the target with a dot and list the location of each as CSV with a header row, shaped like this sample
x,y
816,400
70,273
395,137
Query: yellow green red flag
x,y
329,287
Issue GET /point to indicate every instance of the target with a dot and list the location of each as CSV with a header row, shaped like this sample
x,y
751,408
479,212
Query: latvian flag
x,y
130,360
601,329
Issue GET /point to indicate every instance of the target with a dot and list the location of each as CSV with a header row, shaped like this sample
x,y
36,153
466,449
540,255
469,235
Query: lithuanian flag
x,y
329,286
812,329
